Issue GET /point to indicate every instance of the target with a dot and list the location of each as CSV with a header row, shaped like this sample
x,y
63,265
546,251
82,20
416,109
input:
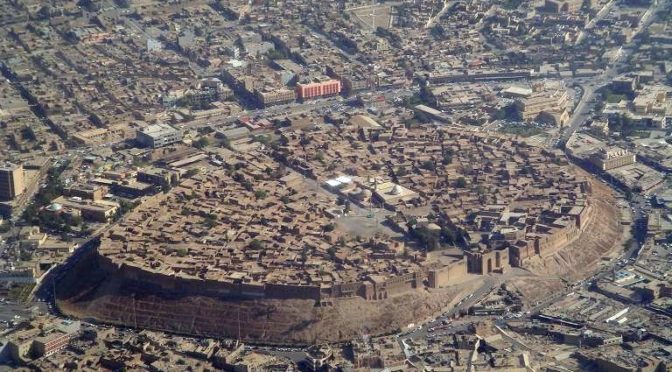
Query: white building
x,y
158,135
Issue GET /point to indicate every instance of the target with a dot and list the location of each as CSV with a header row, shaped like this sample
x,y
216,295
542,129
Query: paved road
x,y
296,108
446,5
598,17
519,344
580,113
11,311
638,203
49,282
491,282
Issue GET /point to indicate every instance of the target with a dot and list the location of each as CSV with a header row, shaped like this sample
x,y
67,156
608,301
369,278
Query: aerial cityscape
x,y
348,185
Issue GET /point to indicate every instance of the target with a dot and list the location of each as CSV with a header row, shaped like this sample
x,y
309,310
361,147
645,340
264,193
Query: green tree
x,y
438,32
331,251
304,254
201,142
264,140
226,143
320,156
461,182
448,234
44,12
75,221
428,165
422,117
412,222
192,172
274,54
210,221
28,134
181,252
25,255
256,244
89,5
429,239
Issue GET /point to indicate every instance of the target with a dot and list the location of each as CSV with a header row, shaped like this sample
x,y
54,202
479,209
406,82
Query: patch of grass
x,y
616,98
640,134
511,4
20,292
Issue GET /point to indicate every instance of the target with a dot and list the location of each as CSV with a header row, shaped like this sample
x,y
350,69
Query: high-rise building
x,y
11,181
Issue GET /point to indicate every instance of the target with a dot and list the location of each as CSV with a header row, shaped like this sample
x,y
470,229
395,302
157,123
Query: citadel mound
x,y
250,248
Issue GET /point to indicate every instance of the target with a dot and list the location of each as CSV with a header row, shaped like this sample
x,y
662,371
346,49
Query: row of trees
x,y
52,190
393,38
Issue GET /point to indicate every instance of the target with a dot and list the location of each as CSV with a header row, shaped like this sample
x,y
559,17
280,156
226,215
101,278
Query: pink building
x,y
318,89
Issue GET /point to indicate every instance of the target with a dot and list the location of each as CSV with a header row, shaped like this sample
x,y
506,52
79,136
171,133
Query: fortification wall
x,y
447,275
99,290
564,236
550,244
520,256
164,282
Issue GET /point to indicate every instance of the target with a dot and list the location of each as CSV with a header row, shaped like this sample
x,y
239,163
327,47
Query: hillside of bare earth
x,y
535,288
602,235
113,297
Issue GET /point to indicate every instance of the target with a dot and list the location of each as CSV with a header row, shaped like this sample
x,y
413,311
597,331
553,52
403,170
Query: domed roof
x,y
363,194
396,190
53,207
356,191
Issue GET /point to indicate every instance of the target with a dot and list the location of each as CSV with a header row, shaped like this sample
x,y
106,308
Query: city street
x,y
587,101
490,283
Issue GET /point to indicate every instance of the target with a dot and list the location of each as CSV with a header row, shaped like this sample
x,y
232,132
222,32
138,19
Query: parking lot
x,y
12,313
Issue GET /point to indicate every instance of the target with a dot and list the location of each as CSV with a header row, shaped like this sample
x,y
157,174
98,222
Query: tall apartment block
x,y
11,181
